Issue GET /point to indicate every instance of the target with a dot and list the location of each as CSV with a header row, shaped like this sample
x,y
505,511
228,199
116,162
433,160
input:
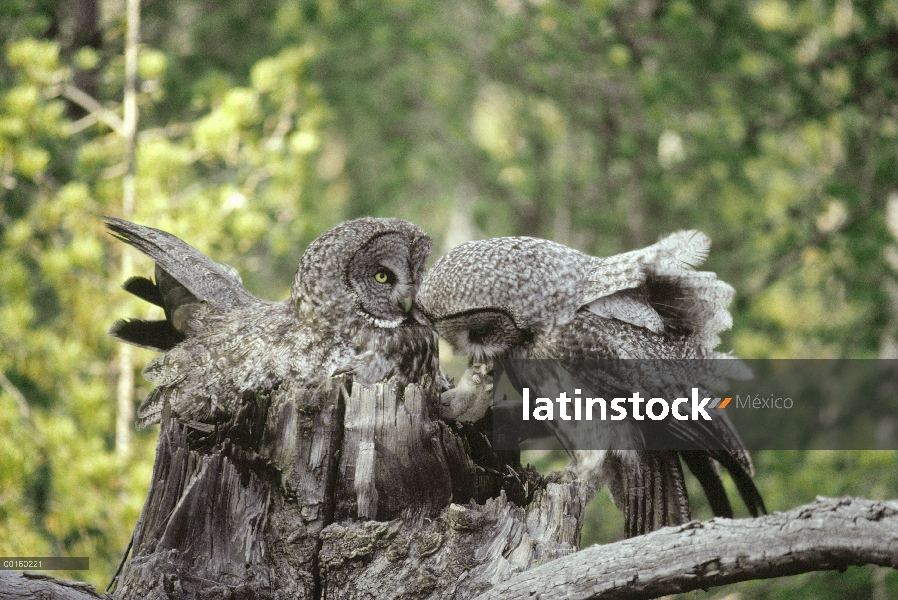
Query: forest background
x,y
770,125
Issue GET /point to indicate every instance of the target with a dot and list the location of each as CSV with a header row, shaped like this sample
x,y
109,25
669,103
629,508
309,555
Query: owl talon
x,y
469,401
481,369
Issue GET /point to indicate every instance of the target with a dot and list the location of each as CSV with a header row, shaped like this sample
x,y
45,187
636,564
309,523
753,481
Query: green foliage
x,y
770,125
232,176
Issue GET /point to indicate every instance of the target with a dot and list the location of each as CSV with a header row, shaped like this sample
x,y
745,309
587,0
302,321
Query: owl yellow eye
x,y
382,276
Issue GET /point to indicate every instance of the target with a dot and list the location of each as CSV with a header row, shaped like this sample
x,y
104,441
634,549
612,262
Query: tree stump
x,y
345,491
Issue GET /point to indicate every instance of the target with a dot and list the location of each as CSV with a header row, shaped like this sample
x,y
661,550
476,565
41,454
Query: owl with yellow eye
x,y
350,311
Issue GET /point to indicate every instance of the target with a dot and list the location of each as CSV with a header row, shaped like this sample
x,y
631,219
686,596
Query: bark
x,y
831,533
275,503
40,586
350,492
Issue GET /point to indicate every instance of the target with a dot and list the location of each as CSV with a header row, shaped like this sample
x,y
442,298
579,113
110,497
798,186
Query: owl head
x,y
362,271
493,298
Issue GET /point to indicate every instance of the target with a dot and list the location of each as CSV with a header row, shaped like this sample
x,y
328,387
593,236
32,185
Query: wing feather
x,y
205,279
657,288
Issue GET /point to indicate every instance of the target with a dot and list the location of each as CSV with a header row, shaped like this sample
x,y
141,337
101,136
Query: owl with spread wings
x,y
522,297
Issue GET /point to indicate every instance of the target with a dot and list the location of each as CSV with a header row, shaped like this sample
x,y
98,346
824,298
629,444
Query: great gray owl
x,y
524,297
350,311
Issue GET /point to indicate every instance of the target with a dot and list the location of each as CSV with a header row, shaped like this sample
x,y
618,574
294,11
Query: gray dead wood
x,y
364,493
15,585
291,498
831,533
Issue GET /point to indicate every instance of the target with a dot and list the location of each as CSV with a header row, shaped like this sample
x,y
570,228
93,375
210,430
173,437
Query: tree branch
x,y
29,585
90,104
831,533
17,395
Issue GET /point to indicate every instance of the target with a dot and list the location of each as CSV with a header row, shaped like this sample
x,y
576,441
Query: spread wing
x,y
651,303
186,280
657,288
206,362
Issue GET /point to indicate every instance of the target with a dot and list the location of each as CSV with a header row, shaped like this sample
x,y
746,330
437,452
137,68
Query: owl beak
x,y
406,303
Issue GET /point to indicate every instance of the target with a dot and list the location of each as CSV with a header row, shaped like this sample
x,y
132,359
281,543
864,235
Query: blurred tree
x,y
228,171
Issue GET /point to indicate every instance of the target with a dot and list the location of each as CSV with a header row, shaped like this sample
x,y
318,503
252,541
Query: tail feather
x,y
649,488
144,289
154,335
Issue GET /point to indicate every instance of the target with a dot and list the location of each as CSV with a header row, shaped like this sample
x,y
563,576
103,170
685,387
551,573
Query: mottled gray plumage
x,y
350,311
524,297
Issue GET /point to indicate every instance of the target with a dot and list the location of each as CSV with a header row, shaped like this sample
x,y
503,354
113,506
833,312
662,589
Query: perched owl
x,y
522,297
350,311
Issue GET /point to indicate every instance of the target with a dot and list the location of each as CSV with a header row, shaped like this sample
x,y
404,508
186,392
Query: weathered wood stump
x,y
346,491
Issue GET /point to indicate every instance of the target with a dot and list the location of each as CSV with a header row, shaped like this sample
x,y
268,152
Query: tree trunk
x,y
124,418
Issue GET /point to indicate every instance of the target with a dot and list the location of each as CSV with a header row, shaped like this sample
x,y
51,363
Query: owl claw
x,y
481,369
470,399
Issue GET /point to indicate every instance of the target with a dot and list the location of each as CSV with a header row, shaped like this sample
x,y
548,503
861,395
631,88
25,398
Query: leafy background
x,y
771,125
